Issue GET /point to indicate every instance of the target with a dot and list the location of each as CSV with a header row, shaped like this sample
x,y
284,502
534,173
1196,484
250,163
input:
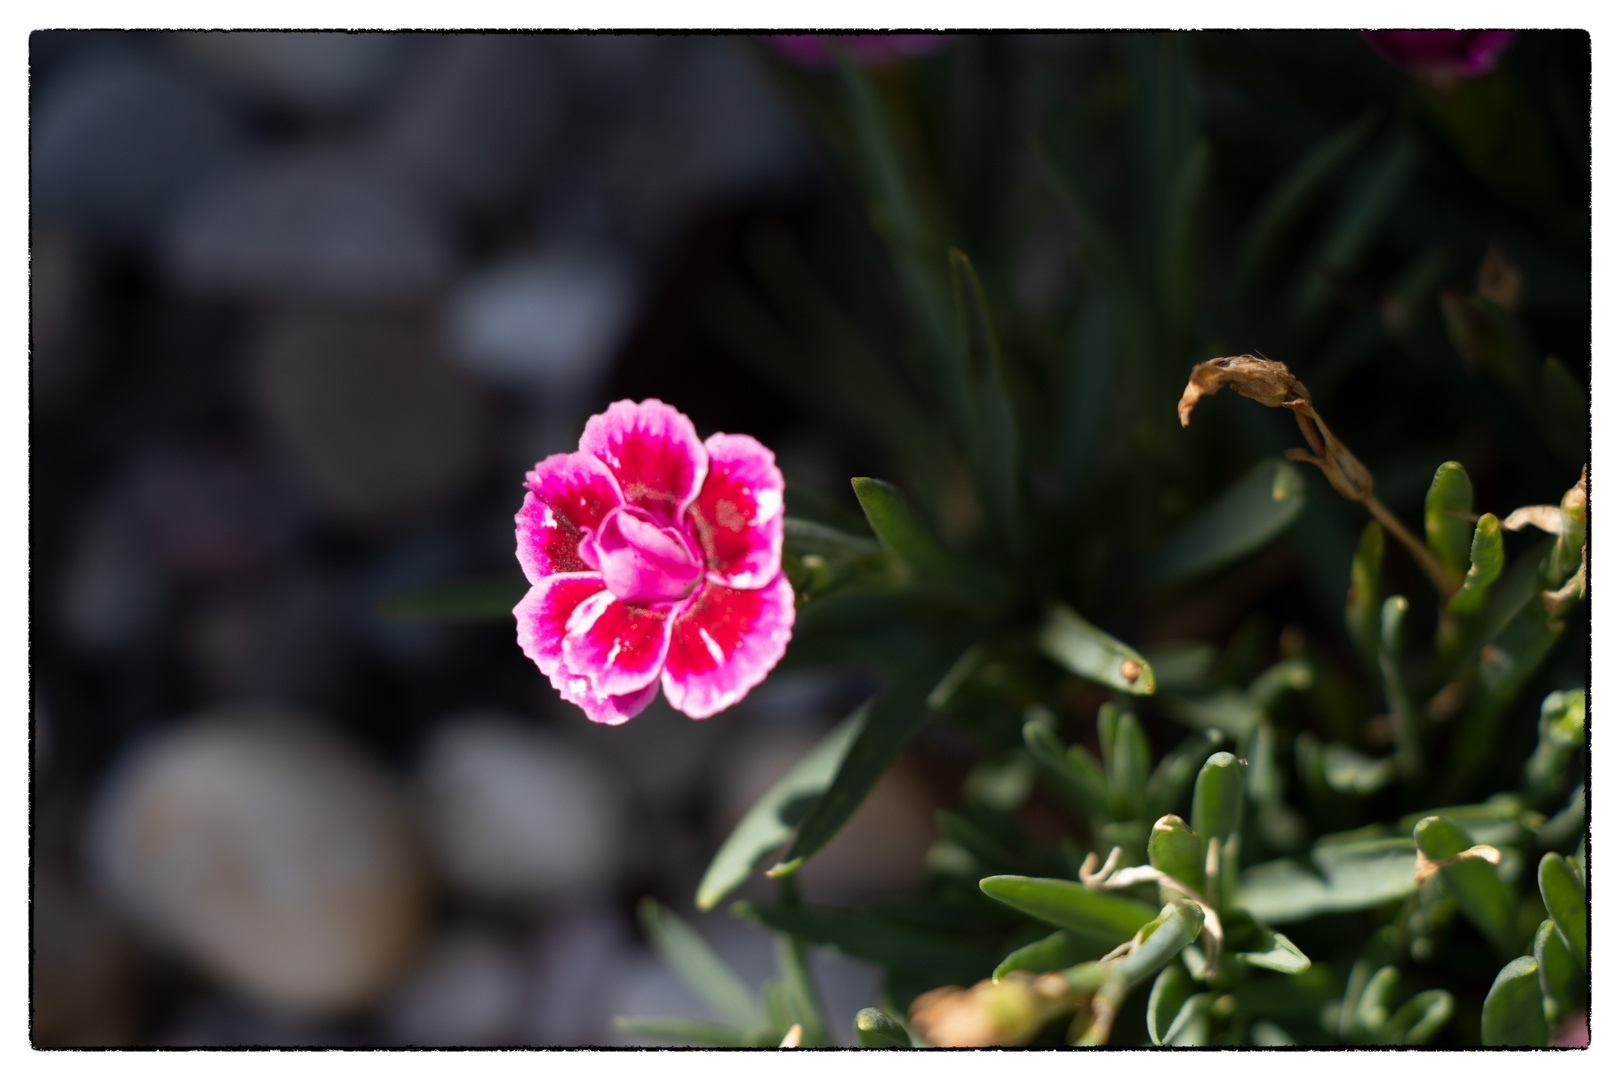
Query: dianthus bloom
x,y
653,559
1440,56
810,50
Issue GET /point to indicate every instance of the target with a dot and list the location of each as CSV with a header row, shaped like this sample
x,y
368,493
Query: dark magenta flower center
x,y
640,561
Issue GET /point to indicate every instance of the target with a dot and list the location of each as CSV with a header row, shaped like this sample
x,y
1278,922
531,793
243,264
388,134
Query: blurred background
x,y
305,307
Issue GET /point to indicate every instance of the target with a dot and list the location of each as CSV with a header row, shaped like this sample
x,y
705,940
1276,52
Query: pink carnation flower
x,y
653,559
1440,56
810,50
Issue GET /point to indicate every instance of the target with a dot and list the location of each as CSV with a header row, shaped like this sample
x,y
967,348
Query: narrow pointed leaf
x,y
1473,883
1069,904
682,1030
876,1030
1341,877
1248,515
1171,990
1417,1021
1052,953
472,600
1402,714
793,967
698,965
1088,652
813,538
1560,975
1513,1014
1274,952
1178,851
769,823
950,957
1128,768
1218,797
1080,777
991,429
1176,770
1565,898
1485,566
1365,601
1447,511
1372,1011
891,720
902,534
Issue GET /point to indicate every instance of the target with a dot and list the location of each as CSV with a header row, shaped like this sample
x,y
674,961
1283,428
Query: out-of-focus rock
x,y
267,853
211,512
119,143
114,591
467,991
572,964
877,854
518,814
664,756
548,325
81,968
474,129
312,71
322,228
378,422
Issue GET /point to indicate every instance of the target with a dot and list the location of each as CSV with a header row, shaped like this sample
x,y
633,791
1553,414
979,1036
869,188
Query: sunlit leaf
x,y
1090,653
1513,1015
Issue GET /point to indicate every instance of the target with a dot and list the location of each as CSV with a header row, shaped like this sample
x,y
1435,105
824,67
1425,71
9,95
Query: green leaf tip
x,y
1084,650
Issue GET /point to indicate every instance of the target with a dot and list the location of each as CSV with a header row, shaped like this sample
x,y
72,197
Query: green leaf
x,y
1480,893
1128,768
891,720
1403,716
1362,606
905,537
1513,1014
1078,775
1343,876
1274,952
1170,992
1069,904
1180,665
769,823
1282,205
793,967
1447,516
1351,772
1372,1010
814,538
1178,851
472,600
1565,898
1291,674
1485,566
949,956
1177,926
1226,710
1217,808
1051,953
1560,975
877,1030
682,1030
691,958
1265,1033
1416,1022
990,853
1169,783
1249,514
991,428
1562,730
1086,651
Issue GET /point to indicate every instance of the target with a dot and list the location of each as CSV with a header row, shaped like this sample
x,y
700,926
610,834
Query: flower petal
x,y
737,515
618,647
725,642
654,453
568,494
542,615
576,690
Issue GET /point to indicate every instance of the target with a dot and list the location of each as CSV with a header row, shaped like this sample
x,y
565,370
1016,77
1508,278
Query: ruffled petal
x,y
542,615
725,642
737,515
618,647
653,452
568,494
576,690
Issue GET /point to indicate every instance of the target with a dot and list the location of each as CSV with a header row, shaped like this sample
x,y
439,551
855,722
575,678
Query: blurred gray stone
x,y
334,228
474,128
572,961
270,855
518,814
326,71
467,991
548,325
376,420
119,143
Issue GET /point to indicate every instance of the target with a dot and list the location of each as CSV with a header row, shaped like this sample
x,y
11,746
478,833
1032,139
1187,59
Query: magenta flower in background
x,y
810,50
1440,56
653,559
